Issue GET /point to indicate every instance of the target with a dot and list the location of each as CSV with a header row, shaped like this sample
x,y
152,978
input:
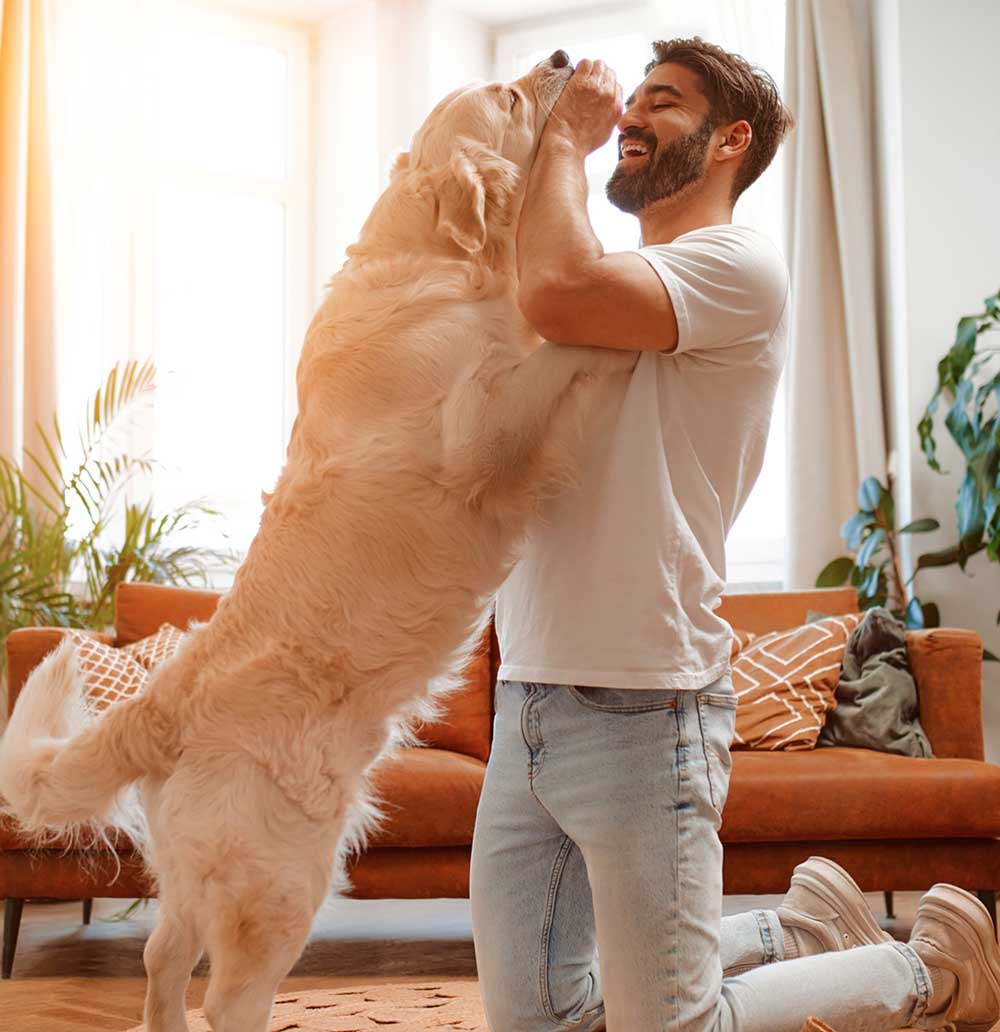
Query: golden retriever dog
x,y
431,423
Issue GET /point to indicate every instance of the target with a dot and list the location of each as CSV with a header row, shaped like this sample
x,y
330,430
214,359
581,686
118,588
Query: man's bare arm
x,y
570,290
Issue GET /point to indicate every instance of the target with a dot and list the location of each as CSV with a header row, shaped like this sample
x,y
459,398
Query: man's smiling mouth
x,y
632,149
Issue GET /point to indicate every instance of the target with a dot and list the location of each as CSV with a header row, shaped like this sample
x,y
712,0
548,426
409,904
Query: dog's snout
x,y
559,59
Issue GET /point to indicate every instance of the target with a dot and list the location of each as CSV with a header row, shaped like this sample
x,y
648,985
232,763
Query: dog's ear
x,y
400,164
473,190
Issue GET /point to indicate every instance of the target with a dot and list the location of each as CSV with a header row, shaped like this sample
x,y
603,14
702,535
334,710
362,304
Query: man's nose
x,y
630,120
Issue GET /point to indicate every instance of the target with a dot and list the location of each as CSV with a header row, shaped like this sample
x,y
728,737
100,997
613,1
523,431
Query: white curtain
x,y
27,348
836,397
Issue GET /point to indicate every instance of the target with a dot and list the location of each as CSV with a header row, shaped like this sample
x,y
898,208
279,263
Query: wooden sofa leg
x,y
88,906
11,926
888,906
988,897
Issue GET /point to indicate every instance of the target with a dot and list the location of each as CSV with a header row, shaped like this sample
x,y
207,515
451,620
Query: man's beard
x,y
665,173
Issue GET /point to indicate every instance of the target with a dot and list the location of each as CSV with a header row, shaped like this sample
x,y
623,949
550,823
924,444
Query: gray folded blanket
x,y
877,702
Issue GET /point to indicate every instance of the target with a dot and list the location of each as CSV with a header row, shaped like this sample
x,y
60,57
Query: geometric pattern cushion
x,y
109,674
740,641
152,651
786,683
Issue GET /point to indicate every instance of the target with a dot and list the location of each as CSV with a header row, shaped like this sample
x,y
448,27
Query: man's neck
x,y
667,219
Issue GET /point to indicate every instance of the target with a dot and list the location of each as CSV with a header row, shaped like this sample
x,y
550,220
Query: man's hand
x,y
588,109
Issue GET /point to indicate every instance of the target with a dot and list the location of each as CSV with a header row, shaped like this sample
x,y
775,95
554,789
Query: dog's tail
x,y
65,772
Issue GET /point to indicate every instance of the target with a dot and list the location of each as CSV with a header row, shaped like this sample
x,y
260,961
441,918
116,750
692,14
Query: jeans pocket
x,y
624,700
717,721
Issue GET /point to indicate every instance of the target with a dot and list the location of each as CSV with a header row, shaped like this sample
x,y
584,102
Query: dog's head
x,y
470,152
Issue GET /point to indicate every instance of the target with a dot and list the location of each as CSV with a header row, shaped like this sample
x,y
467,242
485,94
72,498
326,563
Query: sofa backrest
x,y
946,662
466,723
763,611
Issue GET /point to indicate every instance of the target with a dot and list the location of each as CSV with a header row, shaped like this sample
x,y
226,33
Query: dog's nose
x,y
559,59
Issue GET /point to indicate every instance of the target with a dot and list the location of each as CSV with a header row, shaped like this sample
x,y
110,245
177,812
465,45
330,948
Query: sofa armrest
x,y
947,664
26,647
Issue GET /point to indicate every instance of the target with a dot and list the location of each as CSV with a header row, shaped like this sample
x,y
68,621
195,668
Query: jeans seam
x,y
767,938
543,968
920,977
708,760
639,707
680,752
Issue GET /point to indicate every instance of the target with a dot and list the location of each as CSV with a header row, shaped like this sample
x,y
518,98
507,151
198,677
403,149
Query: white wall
x,y
949,83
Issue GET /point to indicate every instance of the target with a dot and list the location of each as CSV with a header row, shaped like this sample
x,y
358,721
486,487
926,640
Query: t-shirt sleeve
x,y
727,287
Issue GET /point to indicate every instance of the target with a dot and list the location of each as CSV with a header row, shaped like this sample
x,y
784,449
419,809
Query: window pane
x,y
219,313
222,102
626,55
755,545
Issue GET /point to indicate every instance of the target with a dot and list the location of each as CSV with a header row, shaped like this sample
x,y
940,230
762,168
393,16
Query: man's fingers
x,y
583,67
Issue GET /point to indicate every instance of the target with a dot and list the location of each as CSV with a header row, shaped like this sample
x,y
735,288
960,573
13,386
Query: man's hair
x,y
735,90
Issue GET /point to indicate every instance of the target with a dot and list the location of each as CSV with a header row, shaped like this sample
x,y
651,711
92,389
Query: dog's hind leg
x,y
177,940
171,952
255,939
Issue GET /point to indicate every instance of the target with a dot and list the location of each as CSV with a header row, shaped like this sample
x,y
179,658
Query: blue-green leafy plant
x,y
874,567
969,378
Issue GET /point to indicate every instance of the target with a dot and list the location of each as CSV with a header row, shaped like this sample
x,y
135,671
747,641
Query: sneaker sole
x,y
835,886
961,910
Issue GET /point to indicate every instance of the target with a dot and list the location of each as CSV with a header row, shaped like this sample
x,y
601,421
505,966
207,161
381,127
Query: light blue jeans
x,y
596,881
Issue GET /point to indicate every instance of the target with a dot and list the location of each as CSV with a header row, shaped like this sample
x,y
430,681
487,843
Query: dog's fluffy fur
x,y
431,423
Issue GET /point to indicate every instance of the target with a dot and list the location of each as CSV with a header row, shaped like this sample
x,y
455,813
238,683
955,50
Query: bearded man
x,y
596,877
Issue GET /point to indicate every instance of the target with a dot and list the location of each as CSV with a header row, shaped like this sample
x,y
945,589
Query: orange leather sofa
x,y
895,822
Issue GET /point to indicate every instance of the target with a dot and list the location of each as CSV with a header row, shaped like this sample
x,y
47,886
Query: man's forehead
x,y
670,80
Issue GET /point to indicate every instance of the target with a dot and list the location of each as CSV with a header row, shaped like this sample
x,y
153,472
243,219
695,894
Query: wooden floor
x,y
74,978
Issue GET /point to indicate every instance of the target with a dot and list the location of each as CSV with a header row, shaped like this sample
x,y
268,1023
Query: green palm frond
x,y
38,560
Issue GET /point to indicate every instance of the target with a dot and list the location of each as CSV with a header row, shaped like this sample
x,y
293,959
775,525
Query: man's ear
x,y
472,192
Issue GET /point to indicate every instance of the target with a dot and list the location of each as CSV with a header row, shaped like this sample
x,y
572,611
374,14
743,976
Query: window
x,y
755,547
181,172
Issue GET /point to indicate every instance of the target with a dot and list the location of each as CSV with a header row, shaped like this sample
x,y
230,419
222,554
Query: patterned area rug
x,y
434,1005
441,1006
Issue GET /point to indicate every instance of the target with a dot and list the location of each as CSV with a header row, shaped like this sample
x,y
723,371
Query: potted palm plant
x,y
69,537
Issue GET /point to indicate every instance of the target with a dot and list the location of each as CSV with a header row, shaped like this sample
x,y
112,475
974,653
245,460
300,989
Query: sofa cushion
x,y
113,674
11,837
151,651
741,639
766,611
141,609
468,712
846,793
109,674
786,682
431,798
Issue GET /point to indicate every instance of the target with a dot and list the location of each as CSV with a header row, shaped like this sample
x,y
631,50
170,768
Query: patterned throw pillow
x,y
740,641
109,674
152,651
786,683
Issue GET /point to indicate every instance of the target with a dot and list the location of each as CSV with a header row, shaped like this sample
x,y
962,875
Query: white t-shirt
x,y
618,583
